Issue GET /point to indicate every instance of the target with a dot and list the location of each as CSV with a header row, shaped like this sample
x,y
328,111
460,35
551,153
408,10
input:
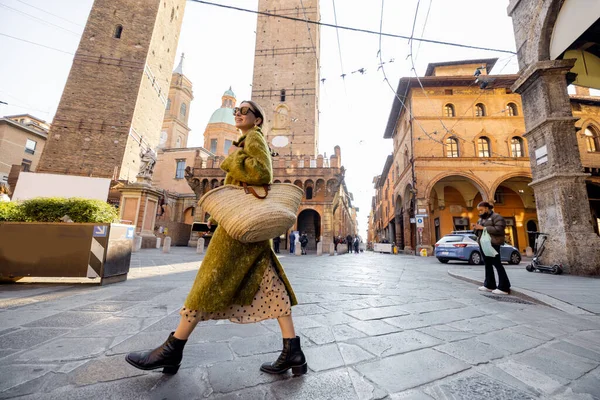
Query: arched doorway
x,y
454,202
514,200
188,216
593,191
309,222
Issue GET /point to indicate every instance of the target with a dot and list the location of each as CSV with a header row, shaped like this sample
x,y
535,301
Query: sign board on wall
x,y
541,155
31,185
420,222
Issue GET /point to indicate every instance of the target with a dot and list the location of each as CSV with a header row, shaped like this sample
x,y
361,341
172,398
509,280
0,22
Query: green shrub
x,y
10,211
52,209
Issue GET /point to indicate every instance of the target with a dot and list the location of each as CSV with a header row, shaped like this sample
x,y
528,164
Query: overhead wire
x,y
268,14
49,13
37,44
40,20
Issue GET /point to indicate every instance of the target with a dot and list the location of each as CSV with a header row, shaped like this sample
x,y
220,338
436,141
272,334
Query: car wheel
x,y
475,258
443,260
515,258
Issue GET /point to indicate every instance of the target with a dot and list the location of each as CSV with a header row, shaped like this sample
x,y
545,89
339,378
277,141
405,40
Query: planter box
x,y
73,250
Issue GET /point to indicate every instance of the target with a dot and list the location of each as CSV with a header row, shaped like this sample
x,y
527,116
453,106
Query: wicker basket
x,y
248,218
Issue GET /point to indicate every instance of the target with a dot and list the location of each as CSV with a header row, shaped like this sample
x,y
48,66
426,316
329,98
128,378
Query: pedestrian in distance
x,y
303,242
336,241
349,242
495,225
276,243
292,242
4,192
356,243
242,282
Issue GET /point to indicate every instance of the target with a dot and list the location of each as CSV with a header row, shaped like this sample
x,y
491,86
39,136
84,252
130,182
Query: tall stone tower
x,y
286,75
113,104
175,129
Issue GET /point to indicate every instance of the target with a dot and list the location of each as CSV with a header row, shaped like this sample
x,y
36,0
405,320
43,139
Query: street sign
x,y
129,234
421,215
413,221
420,222
100,231
422,211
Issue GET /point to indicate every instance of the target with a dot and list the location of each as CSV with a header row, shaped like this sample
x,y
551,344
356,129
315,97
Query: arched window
x,y
118,31
282,95
483,147
406,158
452,147
449,110
512,110
309,193
479,110
183,109
516,147
168,104
591,139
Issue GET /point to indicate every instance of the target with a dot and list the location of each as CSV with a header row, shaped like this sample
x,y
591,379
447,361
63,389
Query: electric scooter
x,y
538,250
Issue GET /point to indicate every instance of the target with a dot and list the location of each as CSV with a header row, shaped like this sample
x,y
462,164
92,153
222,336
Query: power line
x,y
424,25
49,13
40,20
36,44
337,32
268,14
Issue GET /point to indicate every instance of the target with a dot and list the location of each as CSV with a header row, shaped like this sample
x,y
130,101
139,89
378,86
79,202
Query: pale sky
x,y
219,48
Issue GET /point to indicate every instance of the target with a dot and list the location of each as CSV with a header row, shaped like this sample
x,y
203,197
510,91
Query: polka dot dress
x,y
271,301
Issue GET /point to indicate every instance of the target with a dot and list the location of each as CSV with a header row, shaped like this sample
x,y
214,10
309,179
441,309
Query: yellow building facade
x,y
458,140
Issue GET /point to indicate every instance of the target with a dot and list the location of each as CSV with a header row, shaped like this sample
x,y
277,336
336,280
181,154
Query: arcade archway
x,y
309,222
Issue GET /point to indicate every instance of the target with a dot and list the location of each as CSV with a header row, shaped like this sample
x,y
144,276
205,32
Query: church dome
x,y
222,115
229,92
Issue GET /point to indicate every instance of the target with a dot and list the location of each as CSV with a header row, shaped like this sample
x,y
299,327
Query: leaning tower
x,y
286,75
114,100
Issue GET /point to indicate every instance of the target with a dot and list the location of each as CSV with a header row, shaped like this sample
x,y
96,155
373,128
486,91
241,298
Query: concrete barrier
x,y
200,246
167,245
158,243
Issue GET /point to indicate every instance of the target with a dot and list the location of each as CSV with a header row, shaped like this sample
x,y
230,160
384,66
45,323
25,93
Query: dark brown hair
x,y
259,113
486,204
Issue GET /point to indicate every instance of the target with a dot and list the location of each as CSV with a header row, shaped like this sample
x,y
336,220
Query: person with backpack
x,y
303,242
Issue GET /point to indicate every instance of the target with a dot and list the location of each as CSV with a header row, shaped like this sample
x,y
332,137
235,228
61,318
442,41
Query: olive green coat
x,y
232,271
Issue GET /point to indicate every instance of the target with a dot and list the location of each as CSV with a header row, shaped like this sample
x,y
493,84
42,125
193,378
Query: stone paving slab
x,y
573,294
372,326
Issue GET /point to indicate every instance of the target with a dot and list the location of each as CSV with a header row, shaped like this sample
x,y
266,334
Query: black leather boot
x,y
291,357
167,356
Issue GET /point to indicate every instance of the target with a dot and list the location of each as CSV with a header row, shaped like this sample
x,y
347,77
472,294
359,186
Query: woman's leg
x,y
185,328
286,324
490,278
503,281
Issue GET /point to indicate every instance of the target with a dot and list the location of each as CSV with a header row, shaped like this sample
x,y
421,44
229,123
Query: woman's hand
x,y
208,224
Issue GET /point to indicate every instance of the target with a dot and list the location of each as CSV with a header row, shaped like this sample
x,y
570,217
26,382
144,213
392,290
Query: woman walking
x,y
4,192
494,224
242,282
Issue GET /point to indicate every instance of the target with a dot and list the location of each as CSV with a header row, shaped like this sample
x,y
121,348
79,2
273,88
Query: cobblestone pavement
x,y
373,326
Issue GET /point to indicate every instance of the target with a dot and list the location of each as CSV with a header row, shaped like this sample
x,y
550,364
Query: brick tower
x,y
114,100
286,75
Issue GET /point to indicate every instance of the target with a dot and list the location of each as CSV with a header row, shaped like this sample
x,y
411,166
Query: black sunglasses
x,y
244,110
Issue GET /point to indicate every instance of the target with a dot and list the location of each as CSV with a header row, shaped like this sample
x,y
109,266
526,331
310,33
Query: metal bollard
x,y
200,247
167,245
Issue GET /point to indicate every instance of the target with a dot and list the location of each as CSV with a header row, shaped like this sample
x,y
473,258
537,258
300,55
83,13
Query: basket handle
x,y
250,189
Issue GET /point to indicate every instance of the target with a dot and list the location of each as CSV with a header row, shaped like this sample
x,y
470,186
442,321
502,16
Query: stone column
x,y
139,203
558,181
408,244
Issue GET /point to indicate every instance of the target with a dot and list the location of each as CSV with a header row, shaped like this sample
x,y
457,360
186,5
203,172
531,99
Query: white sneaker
x,y
498,291
484,289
